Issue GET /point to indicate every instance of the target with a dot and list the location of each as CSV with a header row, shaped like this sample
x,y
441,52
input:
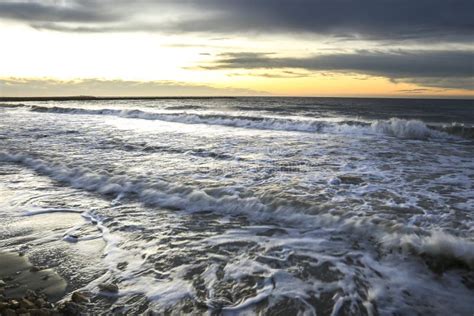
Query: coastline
x,y
26,289
34,283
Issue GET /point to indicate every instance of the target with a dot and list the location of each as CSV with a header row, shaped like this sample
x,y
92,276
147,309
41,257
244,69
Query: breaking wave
x,y
400,128
403,129
157,193
436,245
440,250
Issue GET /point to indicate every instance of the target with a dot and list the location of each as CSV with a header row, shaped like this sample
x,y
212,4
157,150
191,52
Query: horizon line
x,y
91,97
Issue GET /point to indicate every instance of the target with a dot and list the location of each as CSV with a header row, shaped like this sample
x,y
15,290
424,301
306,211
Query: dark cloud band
x,y
453,69
447,20
34,12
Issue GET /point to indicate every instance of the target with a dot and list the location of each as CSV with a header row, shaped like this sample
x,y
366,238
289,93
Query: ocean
x,y
243,206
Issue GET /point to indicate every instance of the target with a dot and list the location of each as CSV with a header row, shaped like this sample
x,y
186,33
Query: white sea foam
x,y
38,211
413,129
164,194
437,244
400,128
159,193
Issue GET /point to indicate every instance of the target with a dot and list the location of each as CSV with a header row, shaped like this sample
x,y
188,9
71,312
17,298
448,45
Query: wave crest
x,y
395,127
440,250
412,129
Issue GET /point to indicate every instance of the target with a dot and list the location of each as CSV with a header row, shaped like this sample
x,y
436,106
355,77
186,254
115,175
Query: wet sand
x,y
31,291
32,282
20,275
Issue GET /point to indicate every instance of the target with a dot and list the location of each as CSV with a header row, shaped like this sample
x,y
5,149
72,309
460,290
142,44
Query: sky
x,y
364,48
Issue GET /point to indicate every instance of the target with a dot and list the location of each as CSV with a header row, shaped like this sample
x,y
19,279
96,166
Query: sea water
x,y
242,206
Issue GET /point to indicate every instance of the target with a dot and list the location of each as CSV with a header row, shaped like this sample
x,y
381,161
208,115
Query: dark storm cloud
x,y
441,83
37,11
376,19
449,20
453,69
397,63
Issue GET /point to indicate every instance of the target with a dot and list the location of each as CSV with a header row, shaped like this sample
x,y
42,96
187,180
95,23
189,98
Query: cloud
x,y
373,19
393,20
447,69
382,21
416,91
98,87
441,83
280,74
54,12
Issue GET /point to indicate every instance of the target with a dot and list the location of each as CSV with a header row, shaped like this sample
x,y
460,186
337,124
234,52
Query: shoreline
x,y
20,276
26,289
31,283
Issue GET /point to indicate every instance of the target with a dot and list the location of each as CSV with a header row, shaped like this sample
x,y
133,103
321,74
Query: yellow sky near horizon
x,y
36,55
